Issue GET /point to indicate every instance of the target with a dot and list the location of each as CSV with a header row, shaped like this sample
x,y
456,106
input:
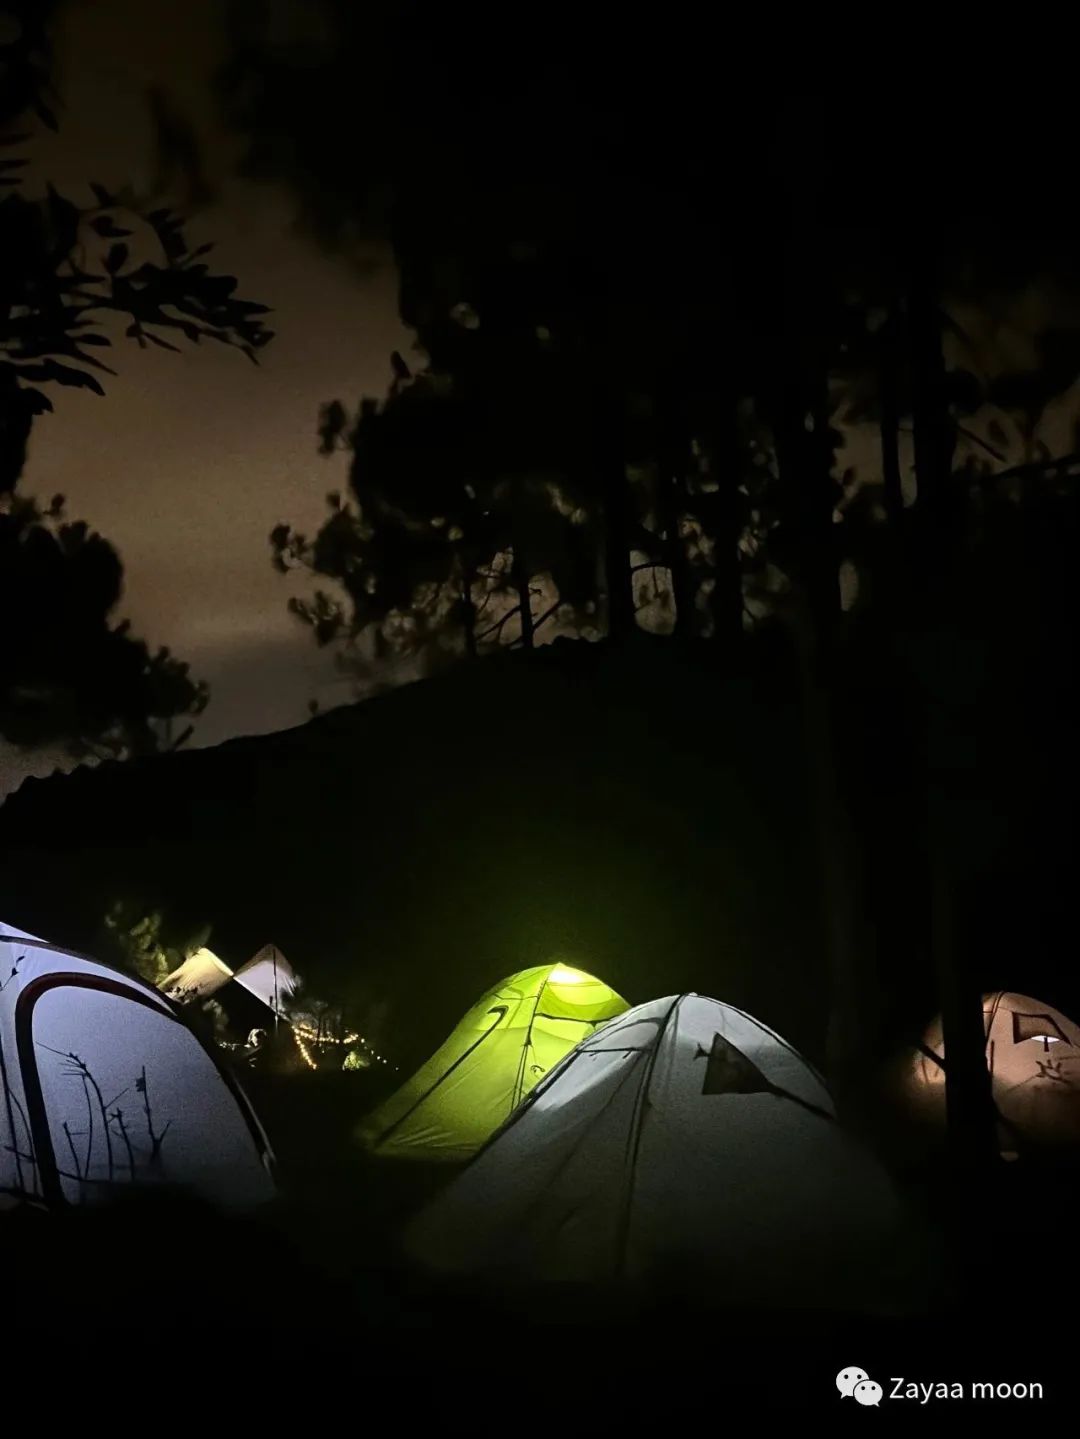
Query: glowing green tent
x,y
473,1082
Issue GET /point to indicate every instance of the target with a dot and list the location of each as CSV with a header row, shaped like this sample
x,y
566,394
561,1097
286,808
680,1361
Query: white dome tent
x,y
102,1088
685,1140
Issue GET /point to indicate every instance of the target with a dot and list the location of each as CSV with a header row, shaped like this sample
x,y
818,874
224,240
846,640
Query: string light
x,y
303,1048
302,1032
317,1038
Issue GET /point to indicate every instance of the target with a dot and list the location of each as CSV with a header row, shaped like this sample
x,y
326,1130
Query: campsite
x,y
538,684
563,1157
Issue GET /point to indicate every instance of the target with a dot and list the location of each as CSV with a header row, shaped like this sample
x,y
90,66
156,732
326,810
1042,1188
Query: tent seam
x,y
635,1138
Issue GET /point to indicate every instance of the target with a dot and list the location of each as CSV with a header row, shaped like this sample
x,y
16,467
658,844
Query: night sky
x,y
191,458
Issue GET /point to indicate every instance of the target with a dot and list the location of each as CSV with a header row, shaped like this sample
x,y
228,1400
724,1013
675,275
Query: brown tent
x,y
1033,1054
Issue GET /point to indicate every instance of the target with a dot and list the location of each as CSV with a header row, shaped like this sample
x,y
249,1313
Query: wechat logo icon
x,y
856,1384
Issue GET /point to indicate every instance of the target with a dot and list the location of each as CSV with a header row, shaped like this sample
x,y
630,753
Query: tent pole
x,y
519,1087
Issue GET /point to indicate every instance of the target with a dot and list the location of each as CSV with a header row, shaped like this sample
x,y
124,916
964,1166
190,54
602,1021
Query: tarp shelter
x,y
685,1141
252,997
269,977
199,977
512,1037
1033,1054
103,1087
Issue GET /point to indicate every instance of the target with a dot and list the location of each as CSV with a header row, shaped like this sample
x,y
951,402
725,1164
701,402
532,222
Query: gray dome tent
x,y
684,1139
102,1088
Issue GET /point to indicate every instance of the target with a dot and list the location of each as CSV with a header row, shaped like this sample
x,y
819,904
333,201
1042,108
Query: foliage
x,y
26,61
618,280
68,675
440,545
564,296
71,271
56,302
141,941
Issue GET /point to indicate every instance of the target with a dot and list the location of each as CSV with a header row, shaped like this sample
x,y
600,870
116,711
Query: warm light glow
x,y
207,956
560,975
302,1047
539,1015
313,1034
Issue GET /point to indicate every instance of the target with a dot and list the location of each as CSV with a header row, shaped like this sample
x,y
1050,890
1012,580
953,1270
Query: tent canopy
x,y
102,1087
1033,1054
685,1140
199,977
509,1039
269,977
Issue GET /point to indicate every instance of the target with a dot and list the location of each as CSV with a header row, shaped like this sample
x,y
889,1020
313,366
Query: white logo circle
x,y
847,1379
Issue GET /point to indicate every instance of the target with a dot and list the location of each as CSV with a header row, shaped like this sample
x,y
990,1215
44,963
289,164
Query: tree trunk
x,y
805,459
935,431
967,1080
809,496
847,1042
519,574
968,1094
803,335
889,399
673,463
721,516
468,608
617,572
